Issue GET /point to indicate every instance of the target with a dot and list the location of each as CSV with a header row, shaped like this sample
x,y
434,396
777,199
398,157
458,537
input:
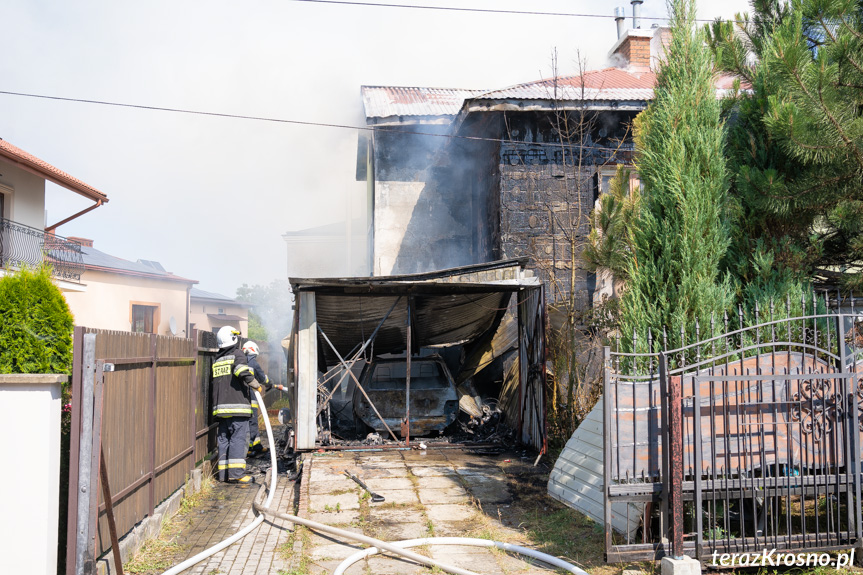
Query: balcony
x,y
22,245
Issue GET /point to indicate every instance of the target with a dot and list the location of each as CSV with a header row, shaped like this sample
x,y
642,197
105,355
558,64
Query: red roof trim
x,y
34,165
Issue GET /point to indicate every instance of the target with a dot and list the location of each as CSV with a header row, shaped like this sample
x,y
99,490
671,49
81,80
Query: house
x,y
459,177
209,311
327,251
25,237
123,295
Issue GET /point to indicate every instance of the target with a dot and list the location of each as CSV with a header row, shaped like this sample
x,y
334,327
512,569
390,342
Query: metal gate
x,y
744,441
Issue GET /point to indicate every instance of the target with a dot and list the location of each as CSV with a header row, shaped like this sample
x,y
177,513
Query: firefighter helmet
x,y
251,348
227,336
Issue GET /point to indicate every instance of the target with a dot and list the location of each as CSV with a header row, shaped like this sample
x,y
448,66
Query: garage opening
x,y
455,356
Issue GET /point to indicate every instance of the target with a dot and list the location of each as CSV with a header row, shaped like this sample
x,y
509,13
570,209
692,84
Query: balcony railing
x,y
22,245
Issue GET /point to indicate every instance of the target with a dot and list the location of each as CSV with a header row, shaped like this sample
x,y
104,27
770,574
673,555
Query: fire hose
x,y
396,548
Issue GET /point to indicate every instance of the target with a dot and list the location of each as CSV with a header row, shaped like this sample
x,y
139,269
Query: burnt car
x,y
433,396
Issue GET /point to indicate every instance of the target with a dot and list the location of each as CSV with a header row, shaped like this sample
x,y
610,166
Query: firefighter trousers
x,y
233,442
254,431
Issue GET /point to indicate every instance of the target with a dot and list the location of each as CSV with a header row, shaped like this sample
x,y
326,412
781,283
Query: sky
x,y
210,197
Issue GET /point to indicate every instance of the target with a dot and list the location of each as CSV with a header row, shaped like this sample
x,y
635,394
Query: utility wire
x,y
484,10
315,124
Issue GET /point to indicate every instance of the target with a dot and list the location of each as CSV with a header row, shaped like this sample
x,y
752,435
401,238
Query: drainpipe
x,y
188,309
619,19
636,13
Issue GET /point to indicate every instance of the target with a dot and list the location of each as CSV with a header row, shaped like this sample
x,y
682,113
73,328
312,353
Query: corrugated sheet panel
x,y
348,320
388,101
577,477
607,84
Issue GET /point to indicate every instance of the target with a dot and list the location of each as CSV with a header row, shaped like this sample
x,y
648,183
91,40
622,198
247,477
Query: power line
x,y
483,10
304,123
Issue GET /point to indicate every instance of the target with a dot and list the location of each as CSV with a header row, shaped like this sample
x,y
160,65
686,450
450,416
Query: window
x,y
605,175
221,311
144,317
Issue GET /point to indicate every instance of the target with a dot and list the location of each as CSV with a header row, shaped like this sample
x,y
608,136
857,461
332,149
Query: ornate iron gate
x,y
740,442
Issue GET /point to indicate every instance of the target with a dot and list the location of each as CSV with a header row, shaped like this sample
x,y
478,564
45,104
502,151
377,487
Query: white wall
x,y
26,203
200,308
30,410
106,303
394,208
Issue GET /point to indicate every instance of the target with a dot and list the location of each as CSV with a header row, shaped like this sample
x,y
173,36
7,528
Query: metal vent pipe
x,y
636,13
619,19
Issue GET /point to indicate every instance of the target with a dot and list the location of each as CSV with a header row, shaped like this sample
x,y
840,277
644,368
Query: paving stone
x,y
383,484
451,512
491,493
438,482
448,495
335,502
398,524
384,472
481,470
396,515
387,565
399,496
431,470
332,551
343,517
473,558
520,565
330,483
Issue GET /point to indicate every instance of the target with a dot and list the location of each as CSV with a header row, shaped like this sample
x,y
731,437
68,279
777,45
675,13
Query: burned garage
x,y
452,356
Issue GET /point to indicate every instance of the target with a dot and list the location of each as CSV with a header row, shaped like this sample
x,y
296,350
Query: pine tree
x,y
681,234
796,143
772,253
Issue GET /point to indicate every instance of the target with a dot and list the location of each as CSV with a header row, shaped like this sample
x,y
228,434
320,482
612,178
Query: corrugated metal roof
x,y
31,163
389,101
445,310
606,84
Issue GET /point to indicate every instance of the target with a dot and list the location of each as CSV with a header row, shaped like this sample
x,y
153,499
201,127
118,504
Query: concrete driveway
x,y
428,493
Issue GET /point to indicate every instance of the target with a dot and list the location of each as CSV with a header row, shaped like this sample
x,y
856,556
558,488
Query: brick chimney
x,y
632,50
83,241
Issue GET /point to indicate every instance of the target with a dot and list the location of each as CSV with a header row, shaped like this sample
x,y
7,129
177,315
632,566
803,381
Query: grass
x,y
299,560
159,553
546,524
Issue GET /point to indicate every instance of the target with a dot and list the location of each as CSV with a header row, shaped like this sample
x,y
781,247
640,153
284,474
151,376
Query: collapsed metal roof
x,y
395,101
447,307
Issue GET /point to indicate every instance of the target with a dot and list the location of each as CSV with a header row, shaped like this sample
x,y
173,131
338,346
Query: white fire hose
x,y
179,568
397,548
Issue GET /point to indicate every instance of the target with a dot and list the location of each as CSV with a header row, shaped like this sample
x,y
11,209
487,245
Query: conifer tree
x,y
795,144
36,331
681,235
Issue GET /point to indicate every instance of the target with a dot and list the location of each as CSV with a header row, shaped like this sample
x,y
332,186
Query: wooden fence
x,y
152,421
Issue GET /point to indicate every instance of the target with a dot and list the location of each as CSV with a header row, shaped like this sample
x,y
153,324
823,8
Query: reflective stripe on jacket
x,y
231,378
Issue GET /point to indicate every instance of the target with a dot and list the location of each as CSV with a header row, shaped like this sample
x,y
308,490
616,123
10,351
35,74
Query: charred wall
x,y
441,216
548,187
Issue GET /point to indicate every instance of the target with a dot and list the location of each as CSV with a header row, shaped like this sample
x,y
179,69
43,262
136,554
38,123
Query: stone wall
x,y
541,205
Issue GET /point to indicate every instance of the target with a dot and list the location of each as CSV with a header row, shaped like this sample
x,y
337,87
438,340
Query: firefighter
x,y
251,350
232,378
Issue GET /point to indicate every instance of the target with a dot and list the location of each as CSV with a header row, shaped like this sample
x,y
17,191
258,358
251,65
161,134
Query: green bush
x,y
36,331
